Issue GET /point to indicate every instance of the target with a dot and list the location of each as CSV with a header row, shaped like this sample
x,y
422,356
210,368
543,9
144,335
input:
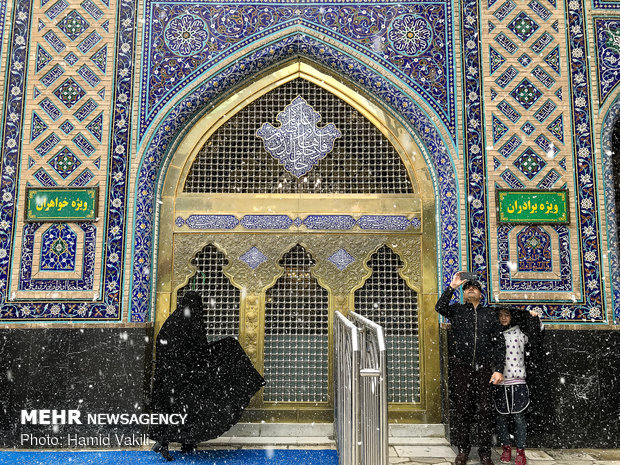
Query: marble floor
x,y
409,445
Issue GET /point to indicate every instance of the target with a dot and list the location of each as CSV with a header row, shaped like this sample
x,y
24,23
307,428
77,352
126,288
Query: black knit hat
x,y
475,284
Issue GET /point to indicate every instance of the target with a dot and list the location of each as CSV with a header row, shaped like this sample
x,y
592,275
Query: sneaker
x,y
520,459
461,458
506,454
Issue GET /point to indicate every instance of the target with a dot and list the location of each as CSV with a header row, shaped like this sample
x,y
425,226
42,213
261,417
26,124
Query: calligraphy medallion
x,y
298,144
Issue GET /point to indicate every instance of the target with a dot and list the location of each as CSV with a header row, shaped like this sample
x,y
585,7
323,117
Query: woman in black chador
x,y
211,382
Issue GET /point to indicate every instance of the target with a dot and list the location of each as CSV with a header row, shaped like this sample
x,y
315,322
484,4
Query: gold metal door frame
x,y
177,245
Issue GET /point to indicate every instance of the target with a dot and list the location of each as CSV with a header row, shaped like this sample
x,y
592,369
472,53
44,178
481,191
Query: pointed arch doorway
x,y
276,246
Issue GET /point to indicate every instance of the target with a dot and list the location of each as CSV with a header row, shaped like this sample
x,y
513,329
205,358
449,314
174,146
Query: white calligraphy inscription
x,y
298,144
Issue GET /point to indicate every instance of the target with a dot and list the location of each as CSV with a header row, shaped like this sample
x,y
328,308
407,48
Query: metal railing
x,y
360,407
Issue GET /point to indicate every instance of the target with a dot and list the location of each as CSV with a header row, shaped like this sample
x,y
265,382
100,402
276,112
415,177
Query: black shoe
x,y
486,460
187,447
163,450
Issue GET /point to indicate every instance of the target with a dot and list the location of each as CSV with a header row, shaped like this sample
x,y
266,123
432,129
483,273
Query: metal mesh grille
x,y
219,296
296,333
234,159
386,299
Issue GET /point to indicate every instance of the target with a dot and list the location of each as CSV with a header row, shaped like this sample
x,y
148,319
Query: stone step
x,y
419,431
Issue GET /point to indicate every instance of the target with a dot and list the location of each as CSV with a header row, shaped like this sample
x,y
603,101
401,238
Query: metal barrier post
x,y
373,392
346,400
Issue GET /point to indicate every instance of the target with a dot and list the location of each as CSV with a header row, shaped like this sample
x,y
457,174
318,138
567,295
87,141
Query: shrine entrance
x,y
293,198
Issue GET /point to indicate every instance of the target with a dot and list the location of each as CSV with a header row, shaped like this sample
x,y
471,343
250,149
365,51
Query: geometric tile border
x,y
592,308
108,308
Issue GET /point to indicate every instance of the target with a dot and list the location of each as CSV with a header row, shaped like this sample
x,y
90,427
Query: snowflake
x,y
186,35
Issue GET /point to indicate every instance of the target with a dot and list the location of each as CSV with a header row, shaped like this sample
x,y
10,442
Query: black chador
x,y
211,382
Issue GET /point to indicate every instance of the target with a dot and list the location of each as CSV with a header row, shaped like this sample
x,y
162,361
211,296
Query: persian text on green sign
x,y
61,204
533,206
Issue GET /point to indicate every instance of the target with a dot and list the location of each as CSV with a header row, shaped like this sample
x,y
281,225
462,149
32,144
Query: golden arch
x,y
176,246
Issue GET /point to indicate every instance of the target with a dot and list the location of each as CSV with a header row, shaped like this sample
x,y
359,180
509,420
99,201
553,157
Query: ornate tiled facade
x,y
97,92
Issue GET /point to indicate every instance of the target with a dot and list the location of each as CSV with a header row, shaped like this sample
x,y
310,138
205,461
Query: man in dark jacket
x,y
476,356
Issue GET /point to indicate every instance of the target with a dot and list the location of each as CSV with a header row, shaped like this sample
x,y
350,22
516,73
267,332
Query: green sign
x,y
532,206
61,204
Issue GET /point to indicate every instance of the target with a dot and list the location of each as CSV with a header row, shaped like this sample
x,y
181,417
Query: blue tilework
x,y
253,257
534,250
341,259
378,33
591,307
508,283
58,248
611,214
608,53
475,157
27,283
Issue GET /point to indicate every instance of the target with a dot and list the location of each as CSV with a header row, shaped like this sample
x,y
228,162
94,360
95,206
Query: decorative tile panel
x,y
523,26
526,93
341,259
327,222
69,92
529,163
73,25
58,249
545,113
253,257
534,250
395,36
65,162
211,222
535,261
